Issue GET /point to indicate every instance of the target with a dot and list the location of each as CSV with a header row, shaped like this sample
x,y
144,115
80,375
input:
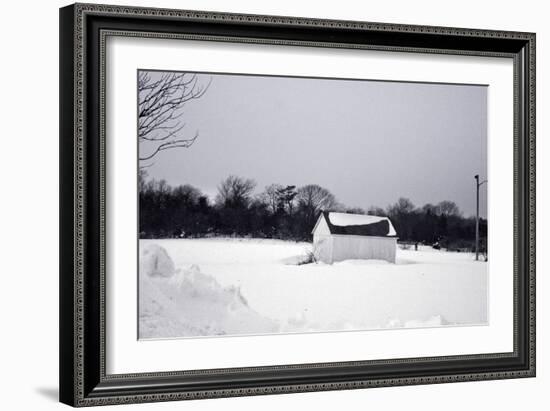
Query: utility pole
x,y
478,184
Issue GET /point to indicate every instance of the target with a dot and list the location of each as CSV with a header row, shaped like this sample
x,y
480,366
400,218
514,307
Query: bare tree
x,y
161,98
429,209
403,206
142,179
312,199
403,214
377,211
235,191
286,197
448,208
187,195
316,197
270,197
354,210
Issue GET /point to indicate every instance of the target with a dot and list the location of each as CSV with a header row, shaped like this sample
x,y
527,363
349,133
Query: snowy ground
x,y
200,287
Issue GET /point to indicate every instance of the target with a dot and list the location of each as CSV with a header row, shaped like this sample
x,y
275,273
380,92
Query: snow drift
x,y
185,302
155,262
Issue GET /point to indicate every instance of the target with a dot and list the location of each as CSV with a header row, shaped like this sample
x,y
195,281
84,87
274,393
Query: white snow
x,y
239,286
345,219
186,302
155,262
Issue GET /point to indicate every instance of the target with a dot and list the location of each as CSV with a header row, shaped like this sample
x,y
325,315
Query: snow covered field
x,y
205,287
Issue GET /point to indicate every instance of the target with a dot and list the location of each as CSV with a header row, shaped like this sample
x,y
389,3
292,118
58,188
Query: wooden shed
x,y
342,236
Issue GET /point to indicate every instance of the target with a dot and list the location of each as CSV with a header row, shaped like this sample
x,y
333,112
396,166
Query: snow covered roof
x,y
358,224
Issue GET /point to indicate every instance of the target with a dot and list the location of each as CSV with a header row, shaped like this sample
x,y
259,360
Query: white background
x,y
29,206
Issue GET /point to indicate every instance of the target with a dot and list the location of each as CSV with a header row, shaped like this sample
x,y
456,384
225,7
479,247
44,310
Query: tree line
x,y
285,212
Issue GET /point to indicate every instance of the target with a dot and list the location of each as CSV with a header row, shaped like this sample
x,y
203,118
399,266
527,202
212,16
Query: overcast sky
x,y
368,142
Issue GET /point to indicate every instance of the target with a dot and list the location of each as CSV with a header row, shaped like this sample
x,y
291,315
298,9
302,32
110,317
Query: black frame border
x,y
83,30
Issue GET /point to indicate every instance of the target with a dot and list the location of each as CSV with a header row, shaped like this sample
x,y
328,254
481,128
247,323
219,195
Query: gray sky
x,y
368,142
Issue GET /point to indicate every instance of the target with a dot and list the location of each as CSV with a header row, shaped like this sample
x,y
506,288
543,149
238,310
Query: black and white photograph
x,y
264,199
277,205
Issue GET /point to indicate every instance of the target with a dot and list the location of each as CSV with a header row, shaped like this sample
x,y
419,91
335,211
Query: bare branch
x,y
181,143
162,97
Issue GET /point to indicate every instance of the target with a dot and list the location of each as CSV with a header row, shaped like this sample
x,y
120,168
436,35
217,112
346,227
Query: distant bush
x,y
309,258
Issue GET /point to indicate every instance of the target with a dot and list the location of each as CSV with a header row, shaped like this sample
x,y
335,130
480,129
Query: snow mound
x,y
154,261
190,303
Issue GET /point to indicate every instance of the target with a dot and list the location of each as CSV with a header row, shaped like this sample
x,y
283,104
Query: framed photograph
x,y
261,204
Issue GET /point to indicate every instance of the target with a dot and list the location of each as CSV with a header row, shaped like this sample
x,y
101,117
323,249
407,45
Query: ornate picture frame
x,y
84,30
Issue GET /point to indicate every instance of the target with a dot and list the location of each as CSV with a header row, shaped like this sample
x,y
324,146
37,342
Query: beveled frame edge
x,y
73,197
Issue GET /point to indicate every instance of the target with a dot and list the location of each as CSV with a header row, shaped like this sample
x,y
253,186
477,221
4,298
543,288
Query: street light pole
x,y
478,184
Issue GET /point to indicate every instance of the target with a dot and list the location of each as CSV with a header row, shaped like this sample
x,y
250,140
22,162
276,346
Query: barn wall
x,y
322,248
358,247
321,228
